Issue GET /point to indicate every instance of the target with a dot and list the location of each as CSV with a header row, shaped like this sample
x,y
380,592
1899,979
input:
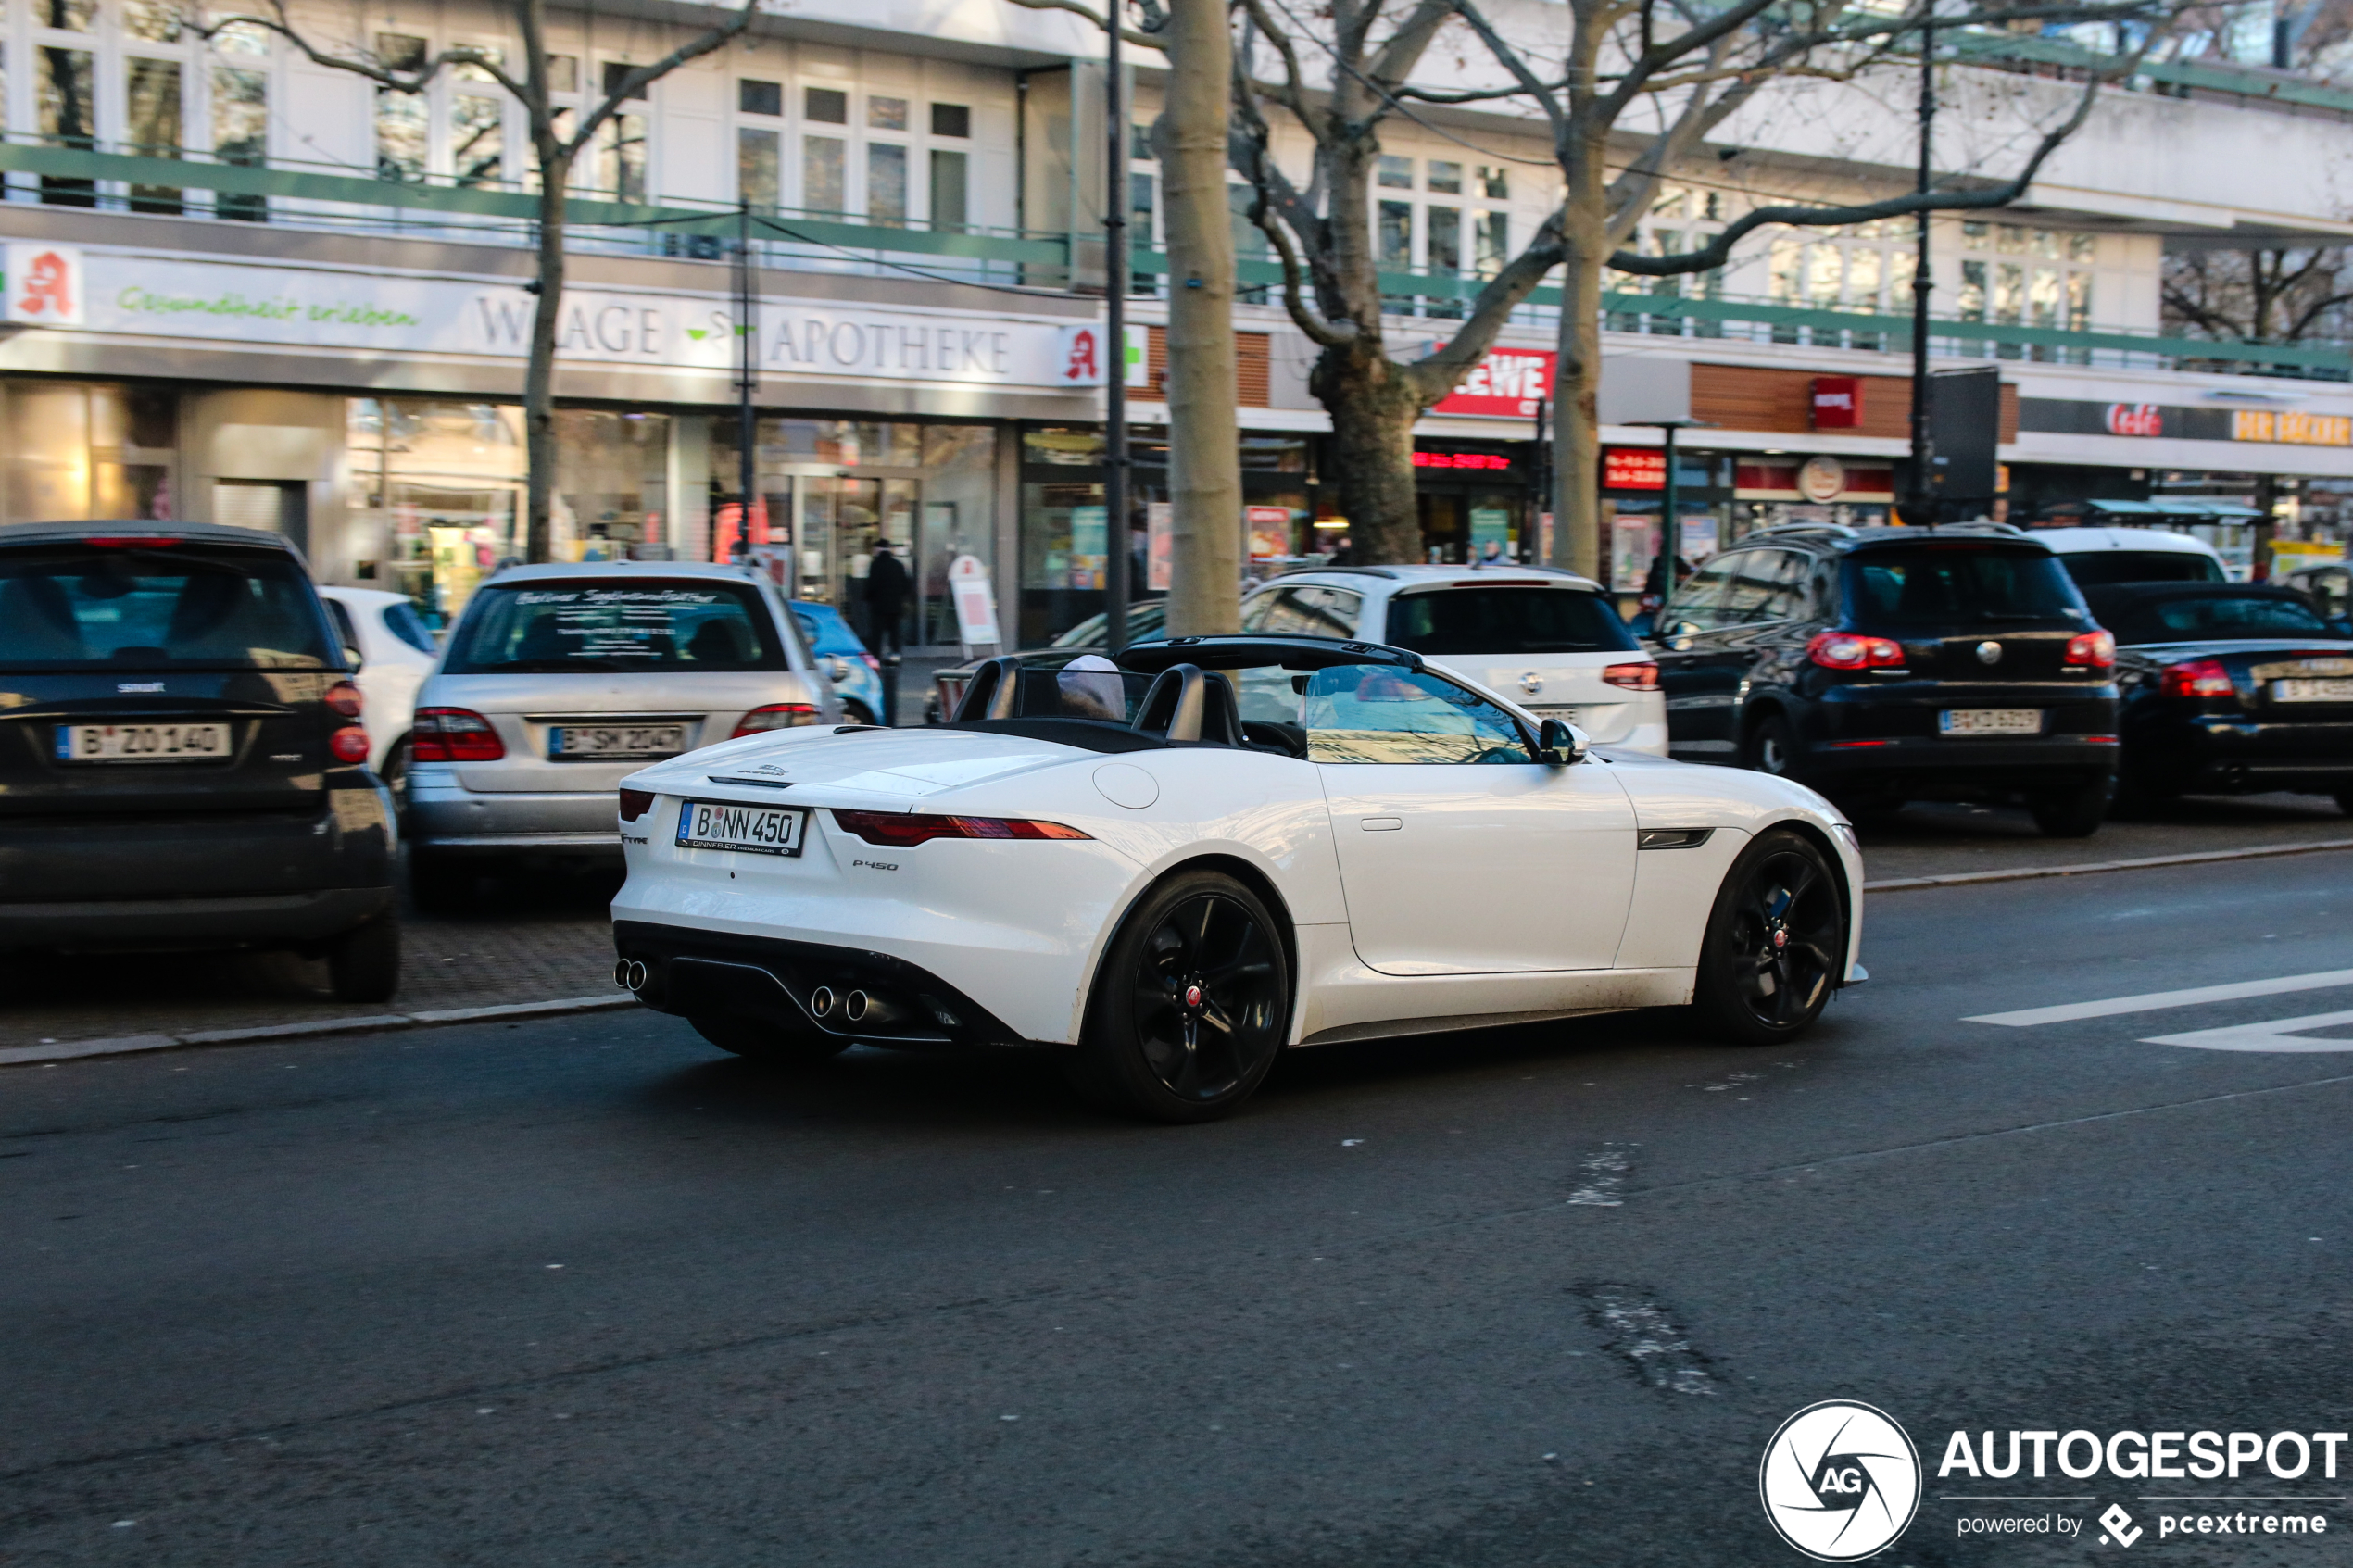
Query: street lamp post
x,y
1115,357
1919,493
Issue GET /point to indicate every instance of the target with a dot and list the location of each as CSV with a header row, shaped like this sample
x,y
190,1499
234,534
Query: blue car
x,y
857,674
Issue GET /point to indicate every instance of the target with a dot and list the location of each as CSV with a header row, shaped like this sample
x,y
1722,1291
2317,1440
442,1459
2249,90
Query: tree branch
x,y
1128,34
635,82
1504,293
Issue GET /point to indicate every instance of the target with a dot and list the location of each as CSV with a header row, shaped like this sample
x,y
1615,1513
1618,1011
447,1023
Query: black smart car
x,y
181,761
1881,665
2229,689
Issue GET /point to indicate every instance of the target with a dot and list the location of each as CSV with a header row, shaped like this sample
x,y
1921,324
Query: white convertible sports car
x,y
1172,866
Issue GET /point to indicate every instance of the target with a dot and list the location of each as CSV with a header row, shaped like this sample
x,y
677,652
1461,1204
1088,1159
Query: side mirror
x,y
1558,745
351,657
1677,634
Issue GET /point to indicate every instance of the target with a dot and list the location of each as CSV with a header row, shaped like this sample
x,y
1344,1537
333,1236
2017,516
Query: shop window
x,y
611,485
241,134
69,117
156,21
952,119
1490,243
1446,178
401,135
477,140
85,451
151,115
1394,173
886,183
757,174
621,157
760,97
951,186
825,105
436,496
1495,184
616,72
885,114
821,186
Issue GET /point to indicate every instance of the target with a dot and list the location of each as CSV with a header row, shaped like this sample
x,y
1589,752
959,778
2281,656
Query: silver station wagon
x,y
560,680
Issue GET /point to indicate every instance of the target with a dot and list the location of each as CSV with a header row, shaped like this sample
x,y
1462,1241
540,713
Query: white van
x,y
2098,556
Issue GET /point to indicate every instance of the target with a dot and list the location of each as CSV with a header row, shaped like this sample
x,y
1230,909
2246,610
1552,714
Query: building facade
x,y
244,287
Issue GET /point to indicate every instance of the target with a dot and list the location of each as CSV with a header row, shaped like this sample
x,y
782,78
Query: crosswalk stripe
x,y
2279,1035
2068,1011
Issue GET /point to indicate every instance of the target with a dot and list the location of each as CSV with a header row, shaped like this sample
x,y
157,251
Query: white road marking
x,y
2067,1012
2279,1035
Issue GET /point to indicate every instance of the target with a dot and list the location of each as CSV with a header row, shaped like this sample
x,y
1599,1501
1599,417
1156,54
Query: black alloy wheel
x,y
1771,748
1191,1006
756,1040
2073,811
2345,801
1774,944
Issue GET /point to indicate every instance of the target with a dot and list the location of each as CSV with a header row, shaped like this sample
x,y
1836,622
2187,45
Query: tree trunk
x,y
1577,385
540,377
1205,440
1373,407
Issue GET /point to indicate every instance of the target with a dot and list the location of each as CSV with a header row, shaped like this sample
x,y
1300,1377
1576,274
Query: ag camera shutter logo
x,y
1840,1480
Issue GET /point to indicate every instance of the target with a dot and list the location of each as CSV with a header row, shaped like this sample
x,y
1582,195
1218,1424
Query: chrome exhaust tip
x,y
635,978
821,1000
854,1007
620,972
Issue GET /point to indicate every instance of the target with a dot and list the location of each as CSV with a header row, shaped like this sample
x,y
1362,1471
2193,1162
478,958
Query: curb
x,y
2024,874
122,1045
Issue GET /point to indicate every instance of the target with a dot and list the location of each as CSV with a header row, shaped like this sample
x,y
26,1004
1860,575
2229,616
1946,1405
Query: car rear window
x,y
2186,620
158,605
2095,569
1930,586
613,625
1505,622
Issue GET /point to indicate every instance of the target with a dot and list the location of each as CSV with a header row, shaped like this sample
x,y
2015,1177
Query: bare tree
x,y
1687,67
2260,295
555,146
1204,452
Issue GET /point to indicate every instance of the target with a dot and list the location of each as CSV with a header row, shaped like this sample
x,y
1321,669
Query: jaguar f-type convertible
x,y
1171,864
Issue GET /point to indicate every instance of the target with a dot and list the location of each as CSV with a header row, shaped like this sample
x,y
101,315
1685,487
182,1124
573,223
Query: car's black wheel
x,y
757,1041
855,713
2072,812
396,778
1774,943
439,885
2345,801
364,964
1772,747
1192,1005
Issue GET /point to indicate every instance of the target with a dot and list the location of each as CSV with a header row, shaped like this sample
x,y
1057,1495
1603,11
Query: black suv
x,y
1881,665
181,762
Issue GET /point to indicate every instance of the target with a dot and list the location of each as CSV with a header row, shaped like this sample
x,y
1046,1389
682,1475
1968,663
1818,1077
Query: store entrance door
x,y
842,521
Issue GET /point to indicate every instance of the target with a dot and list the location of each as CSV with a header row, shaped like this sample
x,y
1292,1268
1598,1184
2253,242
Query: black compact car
x,y
1881,665
2229,689
181,760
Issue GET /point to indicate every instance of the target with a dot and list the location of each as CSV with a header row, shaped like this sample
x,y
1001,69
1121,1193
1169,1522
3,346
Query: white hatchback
x,y
396,652
1547,640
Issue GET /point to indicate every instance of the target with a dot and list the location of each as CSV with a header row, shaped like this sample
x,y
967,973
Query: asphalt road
x,y
583,1291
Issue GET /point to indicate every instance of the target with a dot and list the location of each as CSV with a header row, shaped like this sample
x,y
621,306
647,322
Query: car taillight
x,y
903,829
2199,677
1633,677
872,662
453,734
349,744
635,803
1846,650
2096,650
141,542
776,716
345,698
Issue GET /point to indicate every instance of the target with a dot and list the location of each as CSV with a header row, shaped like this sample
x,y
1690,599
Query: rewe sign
x,y
1508,383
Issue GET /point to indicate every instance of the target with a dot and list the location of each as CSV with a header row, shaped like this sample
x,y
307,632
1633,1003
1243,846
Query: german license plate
x,y
141,743
2308,690
615,743
757,830
1990,721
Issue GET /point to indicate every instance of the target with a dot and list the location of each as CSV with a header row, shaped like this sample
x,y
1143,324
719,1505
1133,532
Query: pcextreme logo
x,y
1840,1480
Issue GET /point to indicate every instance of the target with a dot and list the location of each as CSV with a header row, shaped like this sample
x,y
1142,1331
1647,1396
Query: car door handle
x,y
1381,824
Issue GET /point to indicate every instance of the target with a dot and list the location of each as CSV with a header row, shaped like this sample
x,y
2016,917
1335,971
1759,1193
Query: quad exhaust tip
x,y
629,973
821,1001
854,1007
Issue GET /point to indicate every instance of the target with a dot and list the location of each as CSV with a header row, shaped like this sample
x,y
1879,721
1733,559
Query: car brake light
x,y
349,744
453,734
905,829
2096,650
345,698
2199,677
1846,650
120,542
872,662
635,803
776,716
1633,677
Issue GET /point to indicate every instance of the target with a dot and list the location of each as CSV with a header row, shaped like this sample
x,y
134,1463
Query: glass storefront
x,y
80,449
436,494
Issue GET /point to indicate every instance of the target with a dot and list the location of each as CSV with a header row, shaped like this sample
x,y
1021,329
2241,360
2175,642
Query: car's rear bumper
x,y
158,924
1891,736
2226,755
341,838
446,816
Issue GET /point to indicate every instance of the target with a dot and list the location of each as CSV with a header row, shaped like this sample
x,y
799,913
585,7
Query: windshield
x,y
158,606
1957,586
647,624
2096,569
2188,621
1505,623
1146,618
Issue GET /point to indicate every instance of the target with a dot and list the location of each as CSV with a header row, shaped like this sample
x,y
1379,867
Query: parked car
x,y
2330,584
1147,618
396,652
559,680
182,764
856,673
1174,864
1882,665
2098,557
1550,641
2229,689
